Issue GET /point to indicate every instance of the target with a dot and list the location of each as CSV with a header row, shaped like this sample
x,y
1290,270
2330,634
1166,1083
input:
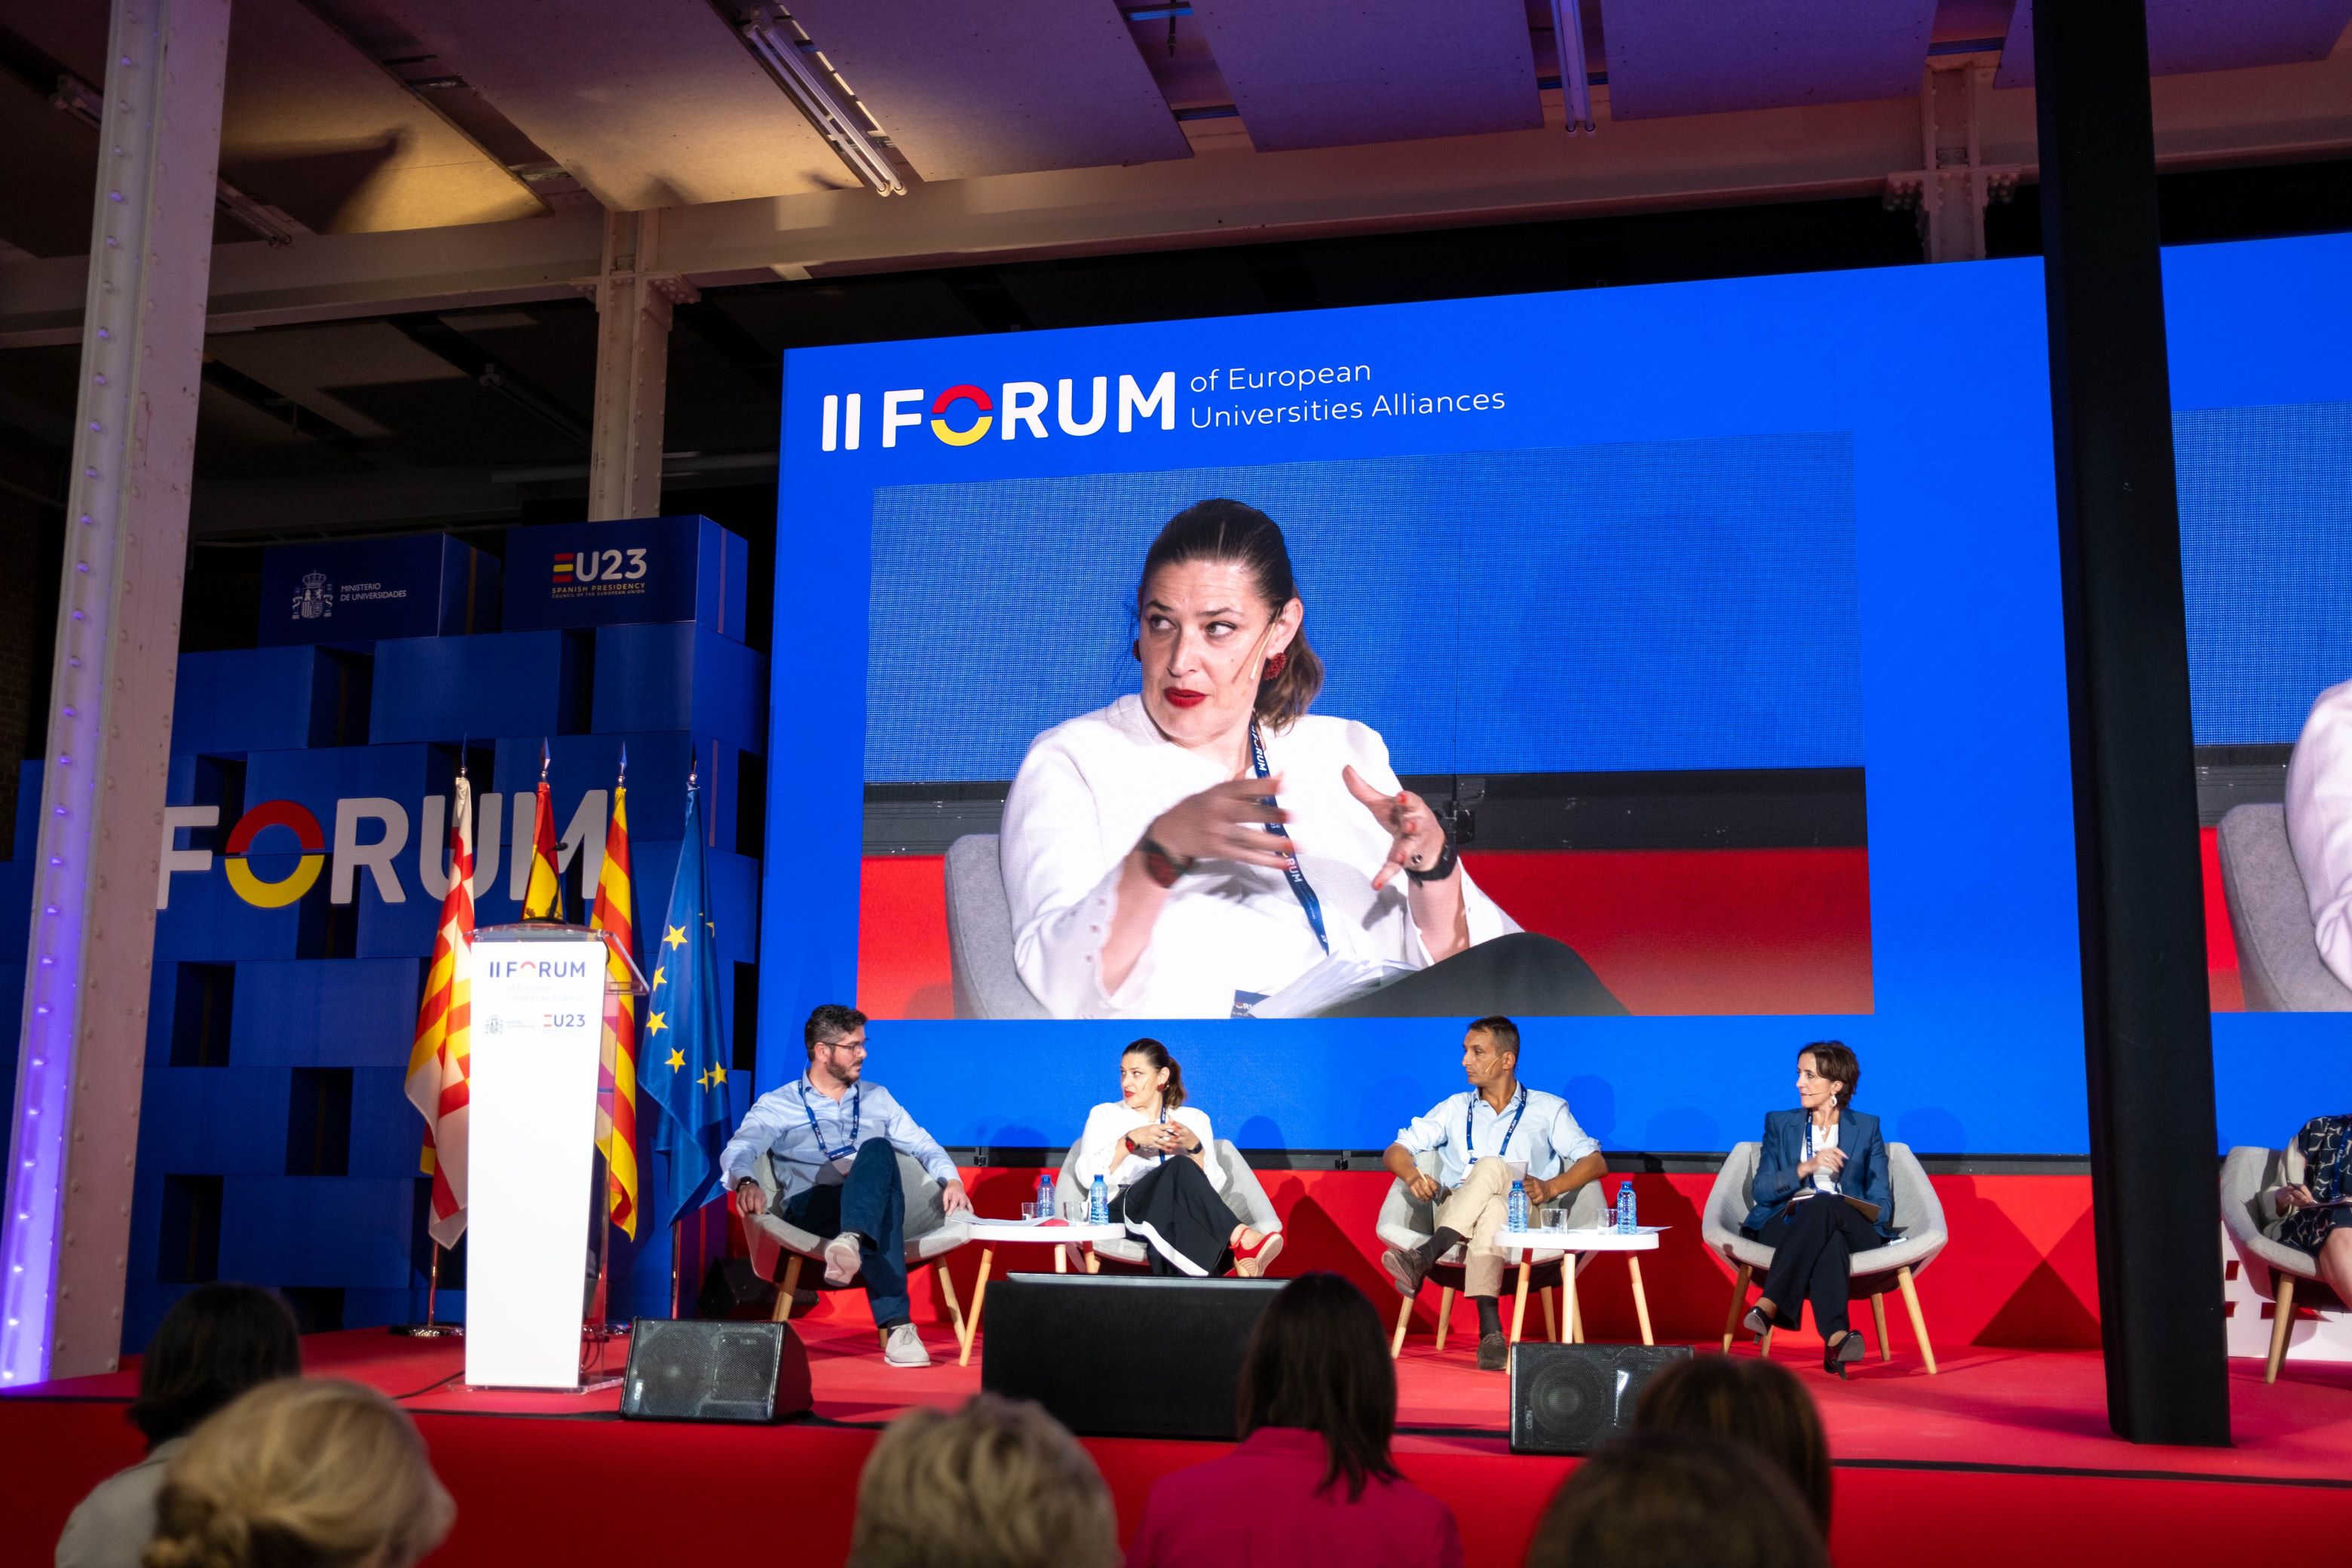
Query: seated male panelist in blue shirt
x,y
833,1140
1478,1136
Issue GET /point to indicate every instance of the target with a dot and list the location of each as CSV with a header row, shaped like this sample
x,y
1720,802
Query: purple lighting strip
x,y
60,946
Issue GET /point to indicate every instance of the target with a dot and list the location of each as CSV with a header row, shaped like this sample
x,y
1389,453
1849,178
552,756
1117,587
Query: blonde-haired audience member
x,y
997,1483
307,1474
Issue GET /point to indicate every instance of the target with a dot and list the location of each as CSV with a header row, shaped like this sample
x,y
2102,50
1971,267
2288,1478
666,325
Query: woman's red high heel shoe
x,y
1251,1262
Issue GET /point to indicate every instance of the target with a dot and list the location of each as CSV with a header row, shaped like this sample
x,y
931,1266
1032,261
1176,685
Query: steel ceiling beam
x,y
2218,119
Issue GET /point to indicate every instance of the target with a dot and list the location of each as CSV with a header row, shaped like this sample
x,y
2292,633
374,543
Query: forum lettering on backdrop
x,y
386,826
1229,396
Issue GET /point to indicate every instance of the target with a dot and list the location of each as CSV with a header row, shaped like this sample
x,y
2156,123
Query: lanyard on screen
x,y
856,1121
1469,1118
1298,878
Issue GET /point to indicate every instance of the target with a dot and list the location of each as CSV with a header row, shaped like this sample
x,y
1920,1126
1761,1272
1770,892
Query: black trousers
x,y
1173,1210
1812,1242
1522,973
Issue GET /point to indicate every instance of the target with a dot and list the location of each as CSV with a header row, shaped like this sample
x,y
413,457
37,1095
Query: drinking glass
x,y
1029,1210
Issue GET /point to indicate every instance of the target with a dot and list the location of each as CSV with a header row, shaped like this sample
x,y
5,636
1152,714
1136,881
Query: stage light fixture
x,y
777,45
1575,83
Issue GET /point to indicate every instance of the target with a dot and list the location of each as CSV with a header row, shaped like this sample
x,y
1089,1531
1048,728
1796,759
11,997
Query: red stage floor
x,y
2004,1451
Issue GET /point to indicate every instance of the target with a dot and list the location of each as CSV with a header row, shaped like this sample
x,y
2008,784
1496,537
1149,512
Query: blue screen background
x,y
1653,605
1976,1042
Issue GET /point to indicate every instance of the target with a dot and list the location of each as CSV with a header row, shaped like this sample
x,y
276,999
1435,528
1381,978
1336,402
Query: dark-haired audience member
x,y
300,1474
996,1483
1757,1403
1312,1481
214,1343
1660,1498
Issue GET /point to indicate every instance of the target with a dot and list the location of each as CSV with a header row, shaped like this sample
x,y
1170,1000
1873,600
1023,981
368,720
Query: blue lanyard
x,y
1298,883
856,1120
1164,1121
1469,1116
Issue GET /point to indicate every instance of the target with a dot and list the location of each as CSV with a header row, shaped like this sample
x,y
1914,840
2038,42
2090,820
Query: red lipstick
x,y
1177,697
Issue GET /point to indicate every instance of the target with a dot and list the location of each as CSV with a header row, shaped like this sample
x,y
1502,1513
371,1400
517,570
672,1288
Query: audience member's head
x,y
996,1484
214,1343
1755,1402
1659,1498
300,1474
1319,1361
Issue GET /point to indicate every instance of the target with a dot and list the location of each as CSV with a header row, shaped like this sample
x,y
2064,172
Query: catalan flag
x,y
542,896
441,1060
617,1096
684,1036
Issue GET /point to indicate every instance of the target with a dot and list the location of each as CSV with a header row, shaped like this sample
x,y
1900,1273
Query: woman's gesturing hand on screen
x,y
1225,822
1418,838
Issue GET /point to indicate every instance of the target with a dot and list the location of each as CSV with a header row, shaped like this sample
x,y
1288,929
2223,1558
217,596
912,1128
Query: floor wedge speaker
x,y
1123,1356
1571,1399
680,1370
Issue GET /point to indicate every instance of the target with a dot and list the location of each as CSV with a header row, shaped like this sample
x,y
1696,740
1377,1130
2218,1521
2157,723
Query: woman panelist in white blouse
x,y
1200,845
1152,1151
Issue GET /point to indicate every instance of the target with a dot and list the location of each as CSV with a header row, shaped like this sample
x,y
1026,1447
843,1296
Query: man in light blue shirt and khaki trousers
x,y
1477,1137
832,1142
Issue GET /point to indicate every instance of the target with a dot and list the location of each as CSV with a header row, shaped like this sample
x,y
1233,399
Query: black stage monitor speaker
x,y
1571,1399
1123,1356
685,1370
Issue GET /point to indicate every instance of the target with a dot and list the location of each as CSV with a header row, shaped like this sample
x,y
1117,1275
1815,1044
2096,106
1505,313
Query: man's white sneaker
x,y
904,1348
840,1260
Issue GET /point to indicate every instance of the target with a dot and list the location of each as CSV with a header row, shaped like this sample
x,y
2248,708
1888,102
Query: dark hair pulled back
x,y
1230,530
1155,1053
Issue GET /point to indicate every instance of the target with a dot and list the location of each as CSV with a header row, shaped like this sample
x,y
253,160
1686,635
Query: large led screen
x,y
1718,623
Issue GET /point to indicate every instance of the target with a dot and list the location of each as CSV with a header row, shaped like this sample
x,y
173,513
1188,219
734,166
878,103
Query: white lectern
x,y
540,995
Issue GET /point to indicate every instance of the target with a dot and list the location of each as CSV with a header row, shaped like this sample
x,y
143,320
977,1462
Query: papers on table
x,y
1328,984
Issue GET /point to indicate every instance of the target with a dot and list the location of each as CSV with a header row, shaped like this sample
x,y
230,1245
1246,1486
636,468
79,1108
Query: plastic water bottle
x,y
1046,1194
1519,1205
1099,1204
1625,1225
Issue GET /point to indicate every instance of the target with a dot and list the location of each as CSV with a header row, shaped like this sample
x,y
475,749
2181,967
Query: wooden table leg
x,y
1519,1306
1641,1301
1094,1259
1573,1309
979,1295
1061,1259
1552,1326
946,1290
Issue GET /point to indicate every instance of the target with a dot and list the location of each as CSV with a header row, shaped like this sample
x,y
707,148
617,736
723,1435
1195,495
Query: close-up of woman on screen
x,y
1206,846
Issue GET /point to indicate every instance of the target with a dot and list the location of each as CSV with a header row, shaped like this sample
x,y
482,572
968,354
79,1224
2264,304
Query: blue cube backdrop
x,y
276,1145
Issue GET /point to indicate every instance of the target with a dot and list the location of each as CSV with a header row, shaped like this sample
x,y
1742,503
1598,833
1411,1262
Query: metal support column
x,y
633,301
1953,184
75,1130
2147,1030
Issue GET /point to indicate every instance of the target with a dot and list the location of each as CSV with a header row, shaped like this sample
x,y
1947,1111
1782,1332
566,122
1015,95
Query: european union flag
x,y
682,1058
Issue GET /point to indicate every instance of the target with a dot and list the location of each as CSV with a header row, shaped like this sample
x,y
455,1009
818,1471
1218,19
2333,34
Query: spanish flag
x,y
617,1096
440,1061
542,897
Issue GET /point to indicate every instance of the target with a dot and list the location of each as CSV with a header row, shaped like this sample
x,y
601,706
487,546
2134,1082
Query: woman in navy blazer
x,y
1814,1158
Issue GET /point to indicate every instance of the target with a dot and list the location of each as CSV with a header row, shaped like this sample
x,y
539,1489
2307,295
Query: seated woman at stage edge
x,y
2304,1212
1154,1153
1200,845
1815,1161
